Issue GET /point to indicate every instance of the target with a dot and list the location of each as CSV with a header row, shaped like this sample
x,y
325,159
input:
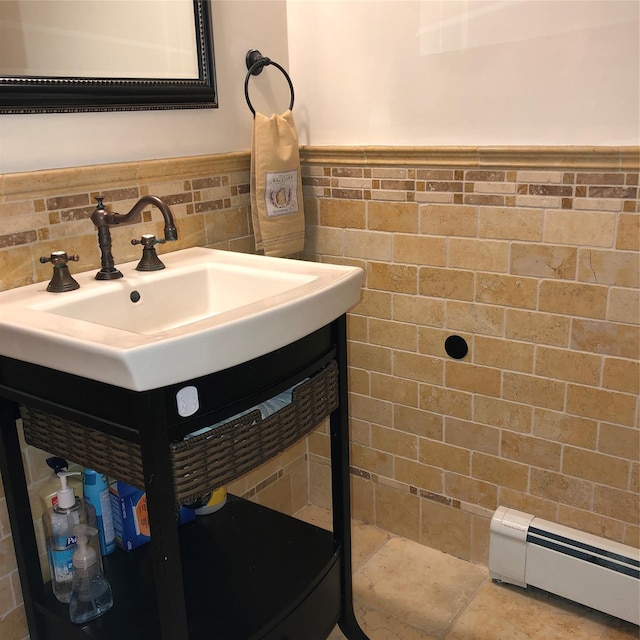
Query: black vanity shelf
x,y
245,572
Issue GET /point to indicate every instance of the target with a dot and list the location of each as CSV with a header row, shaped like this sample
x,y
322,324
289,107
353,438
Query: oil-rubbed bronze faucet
x,y
103,219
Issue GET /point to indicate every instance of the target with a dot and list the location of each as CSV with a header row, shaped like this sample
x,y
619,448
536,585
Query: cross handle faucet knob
x,y
59,258
148,240
62,280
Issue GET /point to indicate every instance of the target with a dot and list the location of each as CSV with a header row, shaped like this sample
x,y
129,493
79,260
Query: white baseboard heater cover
x,y
601,574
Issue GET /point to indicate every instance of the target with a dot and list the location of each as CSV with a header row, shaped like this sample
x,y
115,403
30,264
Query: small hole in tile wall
x,y
456,347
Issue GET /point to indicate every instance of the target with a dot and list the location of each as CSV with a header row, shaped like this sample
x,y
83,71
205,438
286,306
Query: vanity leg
x,y
341,487
167,566
24,539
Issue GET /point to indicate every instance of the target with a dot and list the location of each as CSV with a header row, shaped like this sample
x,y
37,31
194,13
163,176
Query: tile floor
x,y
406,591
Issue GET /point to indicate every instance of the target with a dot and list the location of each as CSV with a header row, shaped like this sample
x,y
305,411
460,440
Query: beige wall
x,y
46,211
530,254
49,141
381,72
465,72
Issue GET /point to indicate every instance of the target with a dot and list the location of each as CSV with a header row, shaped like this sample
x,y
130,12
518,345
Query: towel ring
x,y
256,62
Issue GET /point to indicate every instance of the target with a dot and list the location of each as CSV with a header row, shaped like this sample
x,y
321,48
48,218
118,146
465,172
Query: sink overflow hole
x,y
134,296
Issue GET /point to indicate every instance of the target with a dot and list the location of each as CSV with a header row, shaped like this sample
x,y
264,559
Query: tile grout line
x,y
462,609
354,569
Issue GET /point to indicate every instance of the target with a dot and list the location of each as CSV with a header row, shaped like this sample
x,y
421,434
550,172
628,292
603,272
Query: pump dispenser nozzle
x,y
84,556
66,496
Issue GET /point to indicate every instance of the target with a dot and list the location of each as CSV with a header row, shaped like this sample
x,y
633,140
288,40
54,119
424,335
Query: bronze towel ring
x,y
256,62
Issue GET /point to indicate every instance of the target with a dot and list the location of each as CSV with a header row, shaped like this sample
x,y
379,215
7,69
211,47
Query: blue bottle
x,y
96,492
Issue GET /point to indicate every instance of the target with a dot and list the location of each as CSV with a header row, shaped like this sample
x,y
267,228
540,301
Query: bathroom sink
x,y
207,311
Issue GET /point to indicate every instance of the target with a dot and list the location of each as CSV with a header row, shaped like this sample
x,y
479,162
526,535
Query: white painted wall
x,y
382,72
465,72
46,141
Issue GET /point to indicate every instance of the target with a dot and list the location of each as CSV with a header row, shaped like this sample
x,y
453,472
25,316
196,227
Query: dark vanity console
x,y
245,572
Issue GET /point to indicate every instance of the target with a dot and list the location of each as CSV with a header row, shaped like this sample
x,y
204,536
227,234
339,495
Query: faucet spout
x,y
103,219
170,231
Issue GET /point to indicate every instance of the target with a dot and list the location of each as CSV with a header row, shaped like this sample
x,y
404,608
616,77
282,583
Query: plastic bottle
x,y
96,492
59,523
48,491
91,594
211,503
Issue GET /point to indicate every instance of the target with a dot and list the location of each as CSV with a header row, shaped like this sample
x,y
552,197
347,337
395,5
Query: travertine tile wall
x,y
531,255
46,211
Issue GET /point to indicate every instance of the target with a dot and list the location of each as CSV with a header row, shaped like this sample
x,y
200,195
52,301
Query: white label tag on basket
x,y
187,401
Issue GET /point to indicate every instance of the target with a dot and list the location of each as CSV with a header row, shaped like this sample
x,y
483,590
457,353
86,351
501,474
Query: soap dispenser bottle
x,y
96,493
91,594
59,523
49,490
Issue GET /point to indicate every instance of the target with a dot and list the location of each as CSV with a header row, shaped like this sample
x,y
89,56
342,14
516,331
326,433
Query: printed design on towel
x,y
281,193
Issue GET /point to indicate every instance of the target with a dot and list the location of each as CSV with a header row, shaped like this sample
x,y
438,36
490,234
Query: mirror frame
x,y
24,94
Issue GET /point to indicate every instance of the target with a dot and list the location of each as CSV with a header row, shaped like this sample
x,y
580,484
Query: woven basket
x,y
204,462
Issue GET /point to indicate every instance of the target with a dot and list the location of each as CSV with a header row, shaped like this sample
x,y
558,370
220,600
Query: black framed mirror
x,y
33,92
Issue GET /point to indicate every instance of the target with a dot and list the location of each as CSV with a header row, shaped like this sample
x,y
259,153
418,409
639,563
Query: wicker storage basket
x,y
200,463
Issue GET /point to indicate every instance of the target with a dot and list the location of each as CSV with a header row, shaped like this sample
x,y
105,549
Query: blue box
x,y
130,515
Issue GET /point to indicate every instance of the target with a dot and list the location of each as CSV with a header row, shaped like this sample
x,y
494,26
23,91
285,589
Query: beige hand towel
x,y
276,186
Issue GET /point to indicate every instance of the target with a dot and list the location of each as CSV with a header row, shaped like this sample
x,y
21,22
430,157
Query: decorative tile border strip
x,y
557,188
517,156
14,186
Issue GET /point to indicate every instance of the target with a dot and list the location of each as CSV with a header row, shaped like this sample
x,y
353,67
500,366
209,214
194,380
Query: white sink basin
x,y
207,311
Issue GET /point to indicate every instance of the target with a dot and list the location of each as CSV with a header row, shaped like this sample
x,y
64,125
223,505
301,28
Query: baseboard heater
x,y
601,574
